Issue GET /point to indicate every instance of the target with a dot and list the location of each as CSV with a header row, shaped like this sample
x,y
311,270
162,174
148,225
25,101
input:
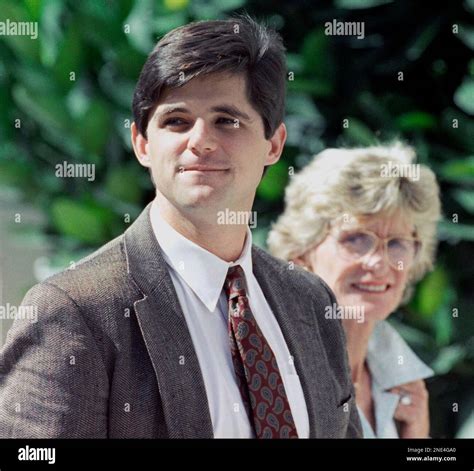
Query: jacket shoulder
x,y
294,277
98,276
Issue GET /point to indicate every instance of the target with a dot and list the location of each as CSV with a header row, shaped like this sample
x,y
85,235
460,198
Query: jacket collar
x,y
391,361
166,336
208,272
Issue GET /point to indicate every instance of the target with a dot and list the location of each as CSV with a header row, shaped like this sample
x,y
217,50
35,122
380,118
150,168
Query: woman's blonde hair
x,y
358,182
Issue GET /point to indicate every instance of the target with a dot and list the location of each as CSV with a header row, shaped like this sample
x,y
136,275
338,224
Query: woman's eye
x,y
353,238
399,244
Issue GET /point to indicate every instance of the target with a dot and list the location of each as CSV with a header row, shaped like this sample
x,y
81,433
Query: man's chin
x,y
199,197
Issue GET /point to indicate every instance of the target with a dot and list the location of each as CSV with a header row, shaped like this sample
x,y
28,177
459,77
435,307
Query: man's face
x,y
206,146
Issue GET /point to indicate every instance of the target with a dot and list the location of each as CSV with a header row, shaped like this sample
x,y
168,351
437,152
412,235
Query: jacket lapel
x,y
296,318
166,335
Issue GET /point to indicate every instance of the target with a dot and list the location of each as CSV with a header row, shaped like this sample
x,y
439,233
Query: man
x,y
180,327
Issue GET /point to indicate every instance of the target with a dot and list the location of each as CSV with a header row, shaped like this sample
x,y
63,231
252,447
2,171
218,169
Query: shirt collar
x,y
391,361
202,271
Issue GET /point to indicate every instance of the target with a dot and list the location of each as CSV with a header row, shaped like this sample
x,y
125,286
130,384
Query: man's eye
x,y
226,121
174,122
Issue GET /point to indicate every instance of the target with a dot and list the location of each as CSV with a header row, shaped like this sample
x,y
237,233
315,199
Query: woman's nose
x,y
377,260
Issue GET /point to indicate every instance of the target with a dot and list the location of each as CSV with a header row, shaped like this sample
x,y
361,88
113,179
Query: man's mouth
x,y
371,287
202,168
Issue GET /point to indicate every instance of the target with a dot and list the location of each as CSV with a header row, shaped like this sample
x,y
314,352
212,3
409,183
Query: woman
x,y
365,221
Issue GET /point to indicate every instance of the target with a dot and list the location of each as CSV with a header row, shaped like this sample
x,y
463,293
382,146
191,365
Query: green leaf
x,y
359,4
423,40
176,5
316,87
272,187
46,109
359,133
34,9
458,171
464,96
430,292
14,173
466,34
259,236
459,128
318,59
165,23
415,120
35,78
123,183
25,47
465,198
140,22
70,57
455,232
94,127
447,358
86,222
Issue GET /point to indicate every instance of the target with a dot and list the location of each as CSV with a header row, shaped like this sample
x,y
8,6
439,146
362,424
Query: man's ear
x,y
140,146
277,141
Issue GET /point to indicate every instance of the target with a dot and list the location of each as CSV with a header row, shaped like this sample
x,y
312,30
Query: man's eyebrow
x,y
228,109
232,111
172,109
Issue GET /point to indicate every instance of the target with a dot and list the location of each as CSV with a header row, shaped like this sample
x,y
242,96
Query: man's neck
x,y
226,241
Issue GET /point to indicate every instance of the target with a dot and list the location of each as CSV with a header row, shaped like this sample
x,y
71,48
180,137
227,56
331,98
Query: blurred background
x,y
66,96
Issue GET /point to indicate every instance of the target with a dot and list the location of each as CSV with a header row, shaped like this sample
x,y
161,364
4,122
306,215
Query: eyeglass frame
x,y
384,240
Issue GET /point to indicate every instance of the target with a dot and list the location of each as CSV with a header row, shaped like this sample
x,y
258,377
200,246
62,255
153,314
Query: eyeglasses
x,y
355,244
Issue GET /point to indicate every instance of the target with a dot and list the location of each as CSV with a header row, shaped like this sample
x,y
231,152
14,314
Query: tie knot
x,y
234,284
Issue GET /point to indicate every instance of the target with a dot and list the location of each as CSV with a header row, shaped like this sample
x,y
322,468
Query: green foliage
x,y
71,91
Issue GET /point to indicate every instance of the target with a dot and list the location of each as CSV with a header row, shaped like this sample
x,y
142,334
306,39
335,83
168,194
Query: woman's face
x,y
369,282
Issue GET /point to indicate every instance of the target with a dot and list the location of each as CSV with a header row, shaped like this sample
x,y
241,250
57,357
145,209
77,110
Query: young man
x,y
181,327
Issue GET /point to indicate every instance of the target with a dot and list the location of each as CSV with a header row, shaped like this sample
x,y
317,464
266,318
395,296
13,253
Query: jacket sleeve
x,y
53,382
354,429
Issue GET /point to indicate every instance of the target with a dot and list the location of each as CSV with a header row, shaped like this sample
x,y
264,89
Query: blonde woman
x,y
365,220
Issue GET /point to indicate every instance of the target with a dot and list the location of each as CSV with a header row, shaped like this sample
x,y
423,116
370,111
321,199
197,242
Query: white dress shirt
x,y
391,363
198,277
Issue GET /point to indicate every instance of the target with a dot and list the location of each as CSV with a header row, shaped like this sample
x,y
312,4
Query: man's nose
x,y
201,139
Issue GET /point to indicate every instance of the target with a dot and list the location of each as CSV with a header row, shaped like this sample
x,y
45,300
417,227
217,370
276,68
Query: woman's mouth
x,y
371,288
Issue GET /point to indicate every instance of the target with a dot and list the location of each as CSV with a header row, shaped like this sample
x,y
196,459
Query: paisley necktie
x,y
256,368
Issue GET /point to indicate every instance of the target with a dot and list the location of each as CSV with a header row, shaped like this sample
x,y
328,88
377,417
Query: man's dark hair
x,y
238,45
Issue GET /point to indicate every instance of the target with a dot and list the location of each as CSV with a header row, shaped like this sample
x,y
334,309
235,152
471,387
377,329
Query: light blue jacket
x,y
391,363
